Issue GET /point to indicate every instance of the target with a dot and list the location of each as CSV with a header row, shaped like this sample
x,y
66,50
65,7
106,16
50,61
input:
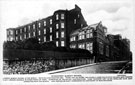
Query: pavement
x,y
96,68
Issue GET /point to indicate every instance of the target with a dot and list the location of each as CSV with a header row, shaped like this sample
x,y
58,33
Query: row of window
x,y
10,32
21,30
62,34
10,38
29,36
73,38
57,33
57,27
45,38
62,43
62,25
61,16
50,21
39,24
81,36
88,46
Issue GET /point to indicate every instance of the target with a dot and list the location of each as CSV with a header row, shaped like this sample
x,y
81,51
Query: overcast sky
x,y
116,15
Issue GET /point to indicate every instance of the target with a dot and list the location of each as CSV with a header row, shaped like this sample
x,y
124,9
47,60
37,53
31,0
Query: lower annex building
x,y
92,38
102,46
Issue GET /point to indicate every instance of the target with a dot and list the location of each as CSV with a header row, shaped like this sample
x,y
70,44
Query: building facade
x,y
123,45
102,46
10,34
55,28
68,28
92,38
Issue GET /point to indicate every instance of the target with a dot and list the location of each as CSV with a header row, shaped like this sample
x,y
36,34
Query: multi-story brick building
x,y
54,28
92,38
123,45
113,50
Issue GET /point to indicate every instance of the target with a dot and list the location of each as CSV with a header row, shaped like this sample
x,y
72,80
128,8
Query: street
x,y
101,68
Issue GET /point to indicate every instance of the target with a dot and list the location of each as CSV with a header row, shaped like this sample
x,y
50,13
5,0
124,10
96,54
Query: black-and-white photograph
x,y
67,37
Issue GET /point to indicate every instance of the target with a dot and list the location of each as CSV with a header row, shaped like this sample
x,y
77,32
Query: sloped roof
x,y
84,28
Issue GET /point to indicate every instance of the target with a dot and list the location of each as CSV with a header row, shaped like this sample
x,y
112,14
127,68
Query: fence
x,y
61,59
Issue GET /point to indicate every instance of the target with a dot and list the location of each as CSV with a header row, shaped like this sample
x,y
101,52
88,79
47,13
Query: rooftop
x,y
85,28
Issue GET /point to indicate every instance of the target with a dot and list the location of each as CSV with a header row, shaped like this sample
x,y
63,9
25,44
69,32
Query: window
x,y
50,29
16,31
20,30
39,32
20,37
29,28
89,33
57,35
50,37
33,33
74,39
44,31
50,21
72,46
57,16
11,38
16,38
45,39
81,25
62,16
29,35
79,46
44,23
74,21
82,46
78,15
81,35
25,29
39,24
11,32
71,39
90,30
24,36
39,39
33,26
62,25
57,44
62,34
57,26
89,46
62,43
